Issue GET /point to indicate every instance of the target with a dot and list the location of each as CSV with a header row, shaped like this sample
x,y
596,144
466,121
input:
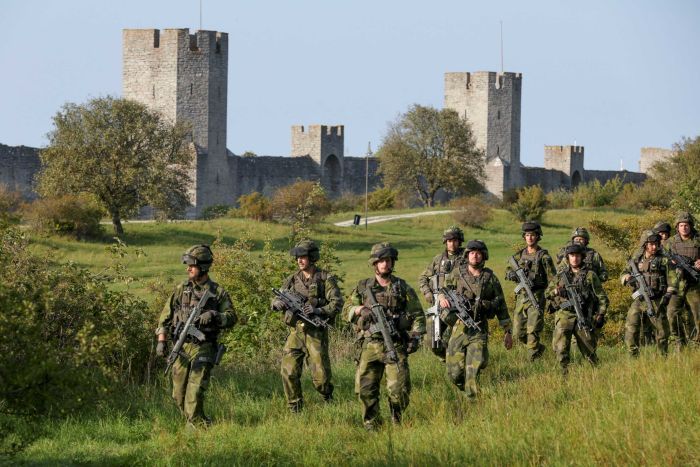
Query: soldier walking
x,y
192,368
322,298
467,351
538,266
439,273
661,282
591,258
592,303
392,297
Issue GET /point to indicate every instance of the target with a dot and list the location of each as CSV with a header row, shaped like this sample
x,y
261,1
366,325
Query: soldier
x,y
594,303
662,283
663,229
192,370
439,274
403,311
306,342
591,258
686,243
467,351
539,267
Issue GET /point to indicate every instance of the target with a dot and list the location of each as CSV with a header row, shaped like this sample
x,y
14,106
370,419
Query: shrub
x,y
596,194
531,204
648,195
382,199
10,203
73,215
215,211
303,203
348,202
560,199
254,206
472,211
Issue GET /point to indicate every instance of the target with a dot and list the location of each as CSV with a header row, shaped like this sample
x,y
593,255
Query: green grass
x,y
643,411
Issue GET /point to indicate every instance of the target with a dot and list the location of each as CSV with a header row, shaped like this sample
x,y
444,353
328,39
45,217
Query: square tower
x,y
325,145
184,76
567,159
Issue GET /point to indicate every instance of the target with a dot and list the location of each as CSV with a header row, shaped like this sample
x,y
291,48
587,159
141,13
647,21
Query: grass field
x,y
643,411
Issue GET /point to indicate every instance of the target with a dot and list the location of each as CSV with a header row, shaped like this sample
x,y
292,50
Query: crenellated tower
x,y
567,159
325,146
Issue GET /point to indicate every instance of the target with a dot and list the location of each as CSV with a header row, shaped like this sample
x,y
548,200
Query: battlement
x,y
467,80
318,142
173,39
564,151
318,130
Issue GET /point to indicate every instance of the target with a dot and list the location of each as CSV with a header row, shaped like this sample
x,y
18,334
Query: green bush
x,y
254,206
10,203
560,199
648,195
595,194
472,211
531,204
301,204
382,199
215,211
77,216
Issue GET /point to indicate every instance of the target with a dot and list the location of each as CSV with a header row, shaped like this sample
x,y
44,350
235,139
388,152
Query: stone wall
x,y
649,156
18,167
604,175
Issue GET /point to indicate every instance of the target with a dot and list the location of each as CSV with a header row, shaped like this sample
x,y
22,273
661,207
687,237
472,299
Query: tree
x,y
426,150
121,152
680,175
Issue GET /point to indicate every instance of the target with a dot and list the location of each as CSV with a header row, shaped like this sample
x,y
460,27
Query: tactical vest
x,y
579,282
314,291
654,272
689,248
189,298
445,269
532,265
393,299
472,287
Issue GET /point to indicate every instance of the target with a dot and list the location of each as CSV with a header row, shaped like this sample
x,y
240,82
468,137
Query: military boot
x,y
296,407
395,414
327,398
538,352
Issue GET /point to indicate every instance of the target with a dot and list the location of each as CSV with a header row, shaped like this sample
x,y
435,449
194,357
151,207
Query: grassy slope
x,y
644,411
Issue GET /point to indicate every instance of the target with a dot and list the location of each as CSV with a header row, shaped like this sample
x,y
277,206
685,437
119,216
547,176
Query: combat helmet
x,y
685,216
662,226
574,249
383,250
199,255
451,233
581,232
648,236
477,245
531,226
306,248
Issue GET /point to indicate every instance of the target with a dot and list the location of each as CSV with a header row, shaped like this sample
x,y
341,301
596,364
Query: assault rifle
x,y
683,262
524,283
642,289
385,327
188,329
464,307
574,301
295,303
434,311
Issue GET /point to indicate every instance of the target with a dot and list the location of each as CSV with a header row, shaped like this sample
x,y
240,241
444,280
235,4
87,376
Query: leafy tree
x,y
301,204
531,204
426,150
121,152
680,175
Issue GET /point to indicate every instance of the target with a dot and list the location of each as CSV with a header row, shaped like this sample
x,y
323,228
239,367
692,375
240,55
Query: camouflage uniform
x,y
661,279
401,305
594,303
591,258
689,290
191,374
306,342
441,266
467,351
528,323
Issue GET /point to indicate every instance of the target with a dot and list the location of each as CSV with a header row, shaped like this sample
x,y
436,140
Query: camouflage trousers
x,y
467,355
637,320
564,328
684,327
370,369
528,324
191,379
441,350
310,345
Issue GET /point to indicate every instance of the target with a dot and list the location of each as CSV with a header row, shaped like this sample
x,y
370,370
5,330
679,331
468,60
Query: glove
x,y
666,298
366,315
429,298
631,282
309,310
278,305
599,321
161,348
561,291
511,276
208,317
413,342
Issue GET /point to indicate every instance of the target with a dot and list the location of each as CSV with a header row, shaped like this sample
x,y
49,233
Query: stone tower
x,y
490,102
325,146
567,159
184,76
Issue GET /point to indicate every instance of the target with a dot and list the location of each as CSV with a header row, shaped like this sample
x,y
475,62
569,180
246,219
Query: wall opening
x,y
575,179
332,174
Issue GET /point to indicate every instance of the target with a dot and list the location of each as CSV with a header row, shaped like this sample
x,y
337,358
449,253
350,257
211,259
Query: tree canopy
x,y
426,150
122,153
680,175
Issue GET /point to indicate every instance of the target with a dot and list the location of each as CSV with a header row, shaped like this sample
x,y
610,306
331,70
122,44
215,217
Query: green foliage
x,y
472,211
531,204
680,175
382,199
426,150
124,154
560,199
648,195
215,211
254,206
348,202
10,204
249,154
595,194
301,204
77,216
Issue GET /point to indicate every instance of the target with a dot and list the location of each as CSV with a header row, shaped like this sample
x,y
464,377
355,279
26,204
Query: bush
x,y
595,194
348,202
648,195
215,211
303,203
531,204
560,199
10,203
472,211
382,199
254,206
77,216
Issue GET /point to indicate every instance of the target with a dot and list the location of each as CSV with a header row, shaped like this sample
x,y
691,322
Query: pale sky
x,y
613,76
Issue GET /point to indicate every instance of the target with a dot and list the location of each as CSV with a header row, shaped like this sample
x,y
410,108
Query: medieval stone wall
x,y
650,156
18,167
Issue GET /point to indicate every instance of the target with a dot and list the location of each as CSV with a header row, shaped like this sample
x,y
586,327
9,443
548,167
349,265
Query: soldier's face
x,y
303,262
452,245
684,229
651,247
580,240
193,271
475,257
384,266
530,238
575,260
664,235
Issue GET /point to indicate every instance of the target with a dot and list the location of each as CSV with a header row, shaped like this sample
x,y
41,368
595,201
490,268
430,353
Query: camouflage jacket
x,y
444,265
591,259
658,274
593,297
539,268
185,296
321,290
400,304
